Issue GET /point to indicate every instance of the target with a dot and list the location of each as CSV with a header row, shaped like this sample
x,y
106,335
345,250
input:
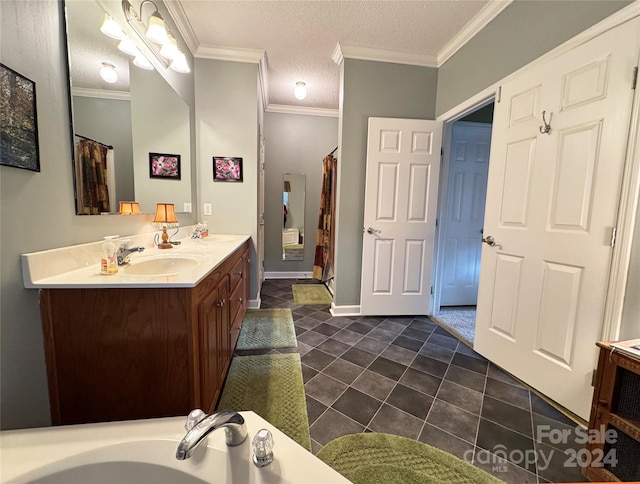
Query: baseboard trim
x,y
344,310
255,303
288,275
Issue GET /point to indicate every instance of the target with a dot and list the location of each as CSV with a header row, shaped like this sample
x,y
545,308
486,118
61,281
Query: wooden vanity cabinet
x,y
119,354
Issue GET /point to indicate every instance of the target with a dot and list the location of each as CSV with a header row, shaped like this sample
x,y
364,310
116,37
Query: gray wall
x,y
521,33
227,125
369,89
37,210
294,144
89,114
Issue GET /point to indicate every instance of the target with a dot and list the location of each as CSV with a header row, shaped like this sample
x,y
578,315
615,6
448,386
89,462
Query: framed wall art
x,y
227,169
19,124
163,165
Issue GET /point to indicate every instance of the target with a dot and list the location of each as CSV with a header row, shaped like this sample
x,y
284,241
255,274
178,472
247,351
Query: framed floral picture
x,y
162,165
227,169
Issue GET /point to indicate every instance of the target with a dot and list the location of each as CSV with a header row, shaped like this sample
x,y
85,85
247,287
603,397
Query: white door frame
x,y
442,198
630,189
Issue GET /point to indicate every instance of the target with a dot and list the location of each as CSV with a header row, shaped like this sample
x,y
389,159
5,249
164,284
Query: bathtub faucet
x,y
199,427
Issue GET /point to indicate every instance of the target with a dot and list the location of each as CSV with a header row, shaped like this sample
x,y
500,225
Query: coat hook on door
x,y
547,126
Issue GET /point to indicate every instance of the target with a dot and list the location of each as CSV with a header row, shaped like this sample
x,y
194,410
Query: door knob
x,y
371,230
489,240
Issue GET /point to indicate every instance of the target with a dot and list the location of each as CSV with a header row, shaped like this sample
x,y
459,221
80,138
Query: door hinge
x,y
634,82
499,94
432,290
436,222
441,152
614,232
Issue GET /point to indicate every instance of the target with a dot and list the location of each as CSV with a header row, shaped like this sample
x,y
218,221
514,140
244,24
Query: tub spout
x,y
232,422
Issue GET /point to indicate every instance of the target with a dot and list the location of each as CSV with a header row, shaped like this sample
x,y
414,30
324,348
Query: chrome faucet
x,y
125,250
232,422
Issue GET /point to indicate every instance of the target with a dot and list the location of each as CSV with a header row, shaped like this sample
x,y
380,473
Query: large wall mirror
x,y
132,137
293,224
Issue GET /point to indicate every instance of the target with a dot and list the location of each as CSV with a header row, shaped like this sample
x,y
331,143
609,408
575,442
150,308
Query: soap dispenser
x,y
109,261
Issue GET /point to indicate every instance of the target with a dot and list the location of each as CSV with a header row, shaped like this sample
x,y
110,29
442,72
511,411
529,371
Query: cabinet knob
x,y
240,300
220,303
239,273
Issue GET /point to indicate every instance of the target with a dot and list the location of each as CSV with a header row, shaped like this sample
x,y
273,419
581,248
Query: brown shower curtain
x,y
325,236
91,165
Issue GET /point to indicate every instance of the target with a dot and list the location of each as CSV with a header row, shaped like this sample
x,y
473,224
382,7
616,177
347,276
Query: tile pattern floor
x,y
408,376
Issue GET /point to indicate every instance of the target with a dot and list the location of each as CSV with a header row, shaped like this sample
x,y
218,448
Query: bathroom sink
x,y
163,266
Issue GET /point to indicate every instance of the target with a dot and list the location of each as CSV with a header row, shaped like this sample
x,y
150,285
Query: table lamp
x,y
129,208
165,217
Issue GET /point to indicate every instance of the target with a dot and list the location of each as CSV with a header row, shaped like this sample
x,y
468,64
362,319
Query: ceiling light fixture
x,y
108,73
111,28
300,91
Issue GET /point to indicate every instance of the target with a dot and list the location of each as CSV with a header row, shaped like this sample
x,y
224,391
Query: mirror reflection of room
x,y
293,194
119,118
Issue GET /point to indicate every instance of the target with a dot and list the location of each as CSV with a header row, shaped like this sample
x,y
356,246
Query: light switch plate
x,y
187,207
207,209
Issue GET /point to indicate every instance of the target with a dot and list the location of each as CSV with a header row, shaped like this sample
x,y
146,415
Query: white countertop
x,y
78,266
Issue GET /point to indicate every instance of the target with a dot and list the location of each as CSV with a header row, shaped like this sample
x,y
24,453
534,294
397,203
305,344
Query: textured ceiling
x,y
299,37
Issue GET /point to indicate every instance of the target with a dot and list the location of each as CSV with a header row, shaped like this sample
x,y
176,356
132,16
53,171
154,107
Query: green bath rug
x,y
311,294
265,329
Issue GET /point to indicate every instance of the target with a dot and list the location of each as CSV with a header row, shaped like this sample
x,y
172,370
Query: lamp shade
x,y
169,49
179,63
111,28
142,62
129,208
156,32
127,46
165,215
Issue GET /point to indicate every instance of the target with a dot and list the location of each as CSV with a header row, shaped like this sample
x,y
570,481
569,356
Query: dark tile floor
x,y
408,376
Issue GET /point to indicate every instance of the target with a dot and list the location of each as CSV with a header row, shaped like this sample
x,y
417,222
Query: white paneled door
x,y
403,163
466,194
552,202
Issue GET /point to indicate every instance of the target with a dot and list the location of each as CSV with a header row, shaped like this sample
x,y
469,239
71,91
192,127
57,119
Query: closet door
x,y
552,202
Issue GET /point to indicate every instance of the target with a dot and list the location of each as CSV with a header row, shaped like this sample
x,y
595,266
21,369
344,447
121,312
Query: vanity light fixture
x,y
127,46
129,208
142,62
111,28
108,73
156,36
165,217
300,91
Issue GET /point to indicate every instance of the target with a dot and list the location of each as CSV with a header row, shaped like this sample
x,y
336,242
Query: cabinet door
x,y
209,360
222,331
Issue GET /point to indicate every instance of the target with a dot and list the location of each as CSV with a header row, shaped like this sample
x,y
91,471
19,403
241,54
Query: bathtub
x,y
143,451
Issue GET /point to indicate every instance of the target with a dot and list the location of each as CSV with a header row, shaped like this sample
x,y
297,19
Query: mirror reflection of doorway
x,y
462,221
293,198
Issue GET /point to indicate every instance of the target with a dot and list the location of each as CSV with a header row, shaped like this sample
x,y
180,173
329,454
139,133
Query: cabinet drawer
x,y
236,274
236,303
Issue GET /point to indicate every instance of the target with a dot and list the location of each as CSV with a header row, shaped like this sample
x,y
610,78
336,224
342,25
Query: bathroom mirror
x,y
138,126
293,216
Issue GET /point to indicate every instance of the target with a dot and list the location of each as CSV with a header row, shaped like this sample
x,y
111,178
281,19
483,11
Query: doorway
x,y
461,216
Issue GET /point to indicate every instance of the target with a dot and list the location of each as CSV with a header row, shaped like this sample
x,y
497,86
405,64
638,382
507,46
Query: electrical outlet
x,y
207,209
187,207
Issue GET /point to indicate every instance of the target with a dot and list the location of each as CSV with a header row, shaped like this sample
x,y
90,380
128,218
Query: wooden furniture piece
x,y
119,354
615,409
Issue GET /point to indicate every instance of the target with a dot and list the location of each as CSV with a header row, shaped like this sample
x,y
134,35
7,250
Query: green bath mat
x,y
311,294
265,329
377,458
272,387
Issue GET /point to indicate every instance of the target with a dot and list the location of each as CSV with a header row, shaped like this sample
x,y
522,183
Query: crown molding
x,y
101,93
175,9
490,11
231,54
343,51
305,111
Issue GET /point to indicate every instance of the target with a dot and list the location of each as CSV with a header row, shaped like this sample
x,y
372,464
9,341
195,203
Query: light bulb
x,y
170,47
157,32
127,46
300,91
179,63
111,28
142,62
108,73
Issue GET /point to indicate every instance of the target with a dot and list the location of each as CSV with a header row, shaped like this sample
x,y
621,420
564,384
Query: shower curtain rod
x,y
89,139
